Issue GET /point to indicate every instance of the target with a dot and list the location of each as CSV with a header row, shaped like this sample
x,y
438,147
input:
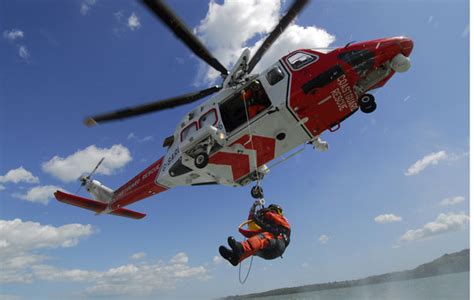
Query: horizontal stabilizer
x,y
96,206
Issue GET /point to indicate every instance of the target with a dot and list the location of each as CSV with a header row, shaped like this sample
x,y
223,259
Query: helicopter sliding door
x,y
244,106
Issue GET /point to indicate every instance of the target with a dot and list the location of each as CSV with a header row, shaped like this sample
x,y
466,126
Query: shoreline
x,y
447,264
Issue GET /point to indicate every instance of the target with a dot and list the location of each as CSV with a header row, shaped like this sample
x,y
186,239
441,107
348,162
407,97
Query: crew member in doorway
x,y
253,97
268,242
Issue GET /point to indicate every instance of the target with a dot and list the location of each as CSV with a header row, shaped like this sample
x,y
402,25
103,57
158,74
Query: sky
x,y
391,193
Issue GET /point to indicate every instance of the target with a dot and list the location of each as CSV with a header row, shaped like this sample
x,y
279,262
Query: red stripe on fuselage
x,y
264,146
239,163
141,186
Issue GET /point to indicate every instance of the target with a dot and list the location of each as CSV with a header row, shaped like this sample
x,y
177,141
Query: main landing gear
x,y
201,160
367,103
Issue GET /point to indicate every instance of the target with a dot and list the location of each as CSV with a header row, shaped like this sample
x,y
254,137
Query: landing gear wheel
x,y
367,103
257,192
368,109
201,160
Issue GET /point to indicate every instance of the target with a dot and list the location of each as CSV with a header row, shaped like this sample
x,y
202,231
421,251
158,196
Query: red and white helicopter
x,y
252,118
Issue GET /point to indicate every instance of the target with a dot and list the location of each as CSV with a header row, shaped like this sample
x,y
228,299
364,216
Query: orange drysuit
x,y
271,240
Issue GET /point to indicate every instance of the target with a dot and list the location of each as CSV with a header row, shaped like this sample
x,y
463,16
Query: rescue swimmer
x,y
268,239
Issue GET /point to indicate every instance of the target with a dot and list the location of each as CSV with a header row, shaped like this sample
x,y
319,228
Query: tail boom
x,y
139,187
96,206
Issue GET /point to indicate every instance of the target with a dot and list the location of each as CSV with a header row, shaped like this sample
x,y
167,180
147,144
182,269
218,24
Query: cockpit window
x,y
188,131
360,60
301,59
275,75
209,118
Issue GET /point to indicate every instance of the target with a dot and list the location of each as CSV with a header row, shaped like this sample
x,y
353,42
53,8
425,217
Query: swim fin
x,y
229,255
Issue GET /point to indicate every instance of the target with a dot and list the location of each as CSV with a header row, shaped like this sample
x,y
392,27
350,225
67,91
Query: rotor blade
x,y
96,167
290,15
150,107
167,16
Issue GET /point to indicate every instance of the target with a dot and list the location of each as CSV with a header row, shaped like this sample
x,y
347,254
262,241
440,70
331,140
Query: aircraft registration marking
x,y
170,159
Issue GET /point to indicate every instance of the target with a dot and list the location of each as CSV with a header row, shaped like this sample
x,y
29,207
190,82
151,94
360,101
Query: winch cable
x,y
248,271
258,182
259,179
251,138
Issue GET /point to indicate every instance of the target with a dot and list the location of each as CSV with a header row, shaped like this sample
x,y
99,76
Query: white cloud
x,y
132,136
133,22
17,236
251,21
139,255
294,37
39,194
217,260
181,258
444,223
86,6
83,161
323,239
127,280
20,240
123,24
430,159
51,273
451,201
23,52
19,175
13,34
2,188
387,218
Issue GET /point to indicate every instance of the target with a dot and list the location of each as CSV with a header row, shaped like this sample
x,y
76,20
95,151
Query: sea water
x,y
451,286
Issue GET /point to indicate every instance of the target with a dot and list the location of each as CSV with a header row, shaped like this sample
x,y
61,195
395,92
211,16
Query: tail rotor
x,y
84,179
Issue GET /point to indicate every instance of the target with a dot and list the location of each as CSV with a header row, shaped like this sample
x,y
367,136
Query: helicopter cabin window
x,y
275,75
209,118
188,131
244,106
301,59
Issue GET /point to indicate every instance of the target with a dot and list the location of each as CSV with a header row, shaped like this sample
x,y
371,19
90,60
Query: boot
x,y
237,247
229,255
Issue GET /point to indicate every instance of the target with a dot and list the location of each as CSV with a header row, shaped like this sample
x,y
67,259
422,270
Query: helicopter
x,y
251,119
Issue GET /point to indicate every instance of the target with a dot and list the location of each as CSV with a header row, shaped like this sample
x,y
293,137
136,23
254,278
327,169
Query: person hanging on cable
x,y
269,241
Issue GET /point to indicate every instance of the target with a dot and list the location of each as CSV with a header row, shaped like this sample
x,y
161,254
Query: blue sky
x,y
405,165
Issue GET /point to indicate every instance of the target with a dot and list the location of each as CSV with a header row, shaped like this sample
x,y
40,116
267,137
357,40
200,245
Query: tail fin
x,y
96,206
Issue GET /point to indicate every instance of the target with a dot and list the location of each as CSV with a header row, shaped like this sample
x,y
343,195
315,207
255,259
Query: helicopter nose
x,y
406,44
401,62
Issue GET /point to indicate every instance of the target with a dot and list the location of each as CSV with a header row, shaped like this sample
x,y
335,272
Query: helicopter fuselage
x,y
231,137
